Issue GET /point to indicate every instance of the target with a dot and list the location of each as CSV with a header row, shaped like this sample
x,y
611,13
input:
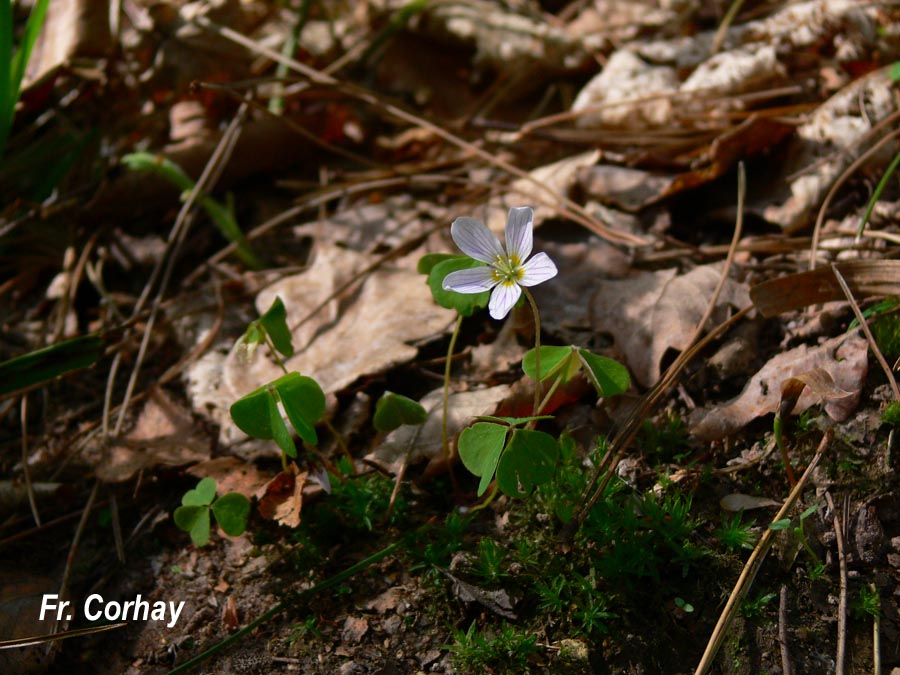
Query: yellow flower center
x,y
507,271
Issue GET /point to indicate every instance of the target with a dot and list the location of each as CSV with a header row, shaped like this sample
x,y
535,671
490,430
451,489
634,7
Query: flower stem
x,y
445,441
537,351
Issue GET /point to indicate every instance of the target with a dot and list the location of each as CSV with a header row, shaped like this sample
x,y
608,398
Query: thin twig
x,y
840,657
176,238
865,327
73,548
787,667
26,470
754,562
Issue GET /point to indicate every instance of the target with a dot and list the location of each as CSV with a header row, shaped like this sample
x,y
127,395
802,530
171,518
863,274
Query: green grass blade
x,y
22,56
45,364
7,103
877,194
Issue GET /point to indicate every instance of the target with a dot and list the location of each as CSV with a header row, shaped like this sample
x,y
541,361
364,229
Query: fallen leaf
x,y
656,311
826,145
844,357
165,434
741,502
354,629
388,601
231,474
818,286
366,333
229,614
560,176
281,499
820,383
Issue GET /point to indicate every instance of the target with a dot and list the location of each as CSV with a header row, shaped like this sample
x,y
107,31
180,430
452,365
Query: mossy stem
x,y
778,431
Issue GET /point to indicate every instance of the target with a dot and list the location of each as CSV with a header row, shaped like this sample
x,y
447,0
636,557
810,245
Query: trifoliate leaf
x,y
253,412
480,447
202,495
608,376
555,361
429,260
529,459
464,303
231,513
304,403
274,322
194,520
394,410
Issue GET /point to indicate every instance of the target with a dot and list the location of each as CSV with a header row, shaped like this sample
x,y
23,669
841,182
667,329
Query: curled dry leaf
x,y
741,502
365,330
281,499
844,358
819,382
654,312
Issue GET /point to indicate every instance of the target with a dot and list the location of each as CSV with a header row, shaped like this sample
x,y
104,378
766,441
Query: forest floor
x,y
716,190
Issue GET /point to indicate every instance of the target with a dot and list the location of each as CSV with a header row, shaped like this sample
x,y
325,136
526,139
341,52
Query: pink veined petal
x,y
474,280
519,224
537,270
503,297
476,240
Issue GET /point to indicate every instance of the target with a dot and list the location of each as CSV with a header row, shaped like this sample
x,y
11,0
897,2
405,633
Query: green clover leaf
x,y
394,410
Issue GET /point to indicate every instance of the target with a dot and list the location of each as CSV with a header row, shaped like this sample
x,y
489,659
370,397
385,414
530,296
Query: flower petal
x,y
519,224
474,280
476,240
537,270
503,297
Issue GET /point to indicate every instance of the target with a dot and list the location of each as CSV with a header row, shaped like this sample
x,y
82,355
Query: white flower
x,y
505,271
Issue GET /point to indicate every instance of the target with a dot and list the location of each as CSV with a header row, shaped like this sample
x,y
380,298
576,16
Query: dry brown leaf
x,y
281,499
827,144
423,442
741,502
560,176
231,475
656,311
818,286
504,40
73,29
845,358
820,383
363,334
165,434
634,189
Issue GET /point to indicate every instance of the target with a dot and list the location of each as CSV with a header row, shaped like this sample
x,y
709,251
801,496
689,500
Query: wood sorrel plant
x,y
521,458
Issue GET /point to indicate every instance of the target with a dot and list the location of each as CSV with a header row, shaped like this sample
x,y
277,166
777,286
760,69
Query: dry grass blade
x,y
41,639
865,326
796,291
839,534
754,562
